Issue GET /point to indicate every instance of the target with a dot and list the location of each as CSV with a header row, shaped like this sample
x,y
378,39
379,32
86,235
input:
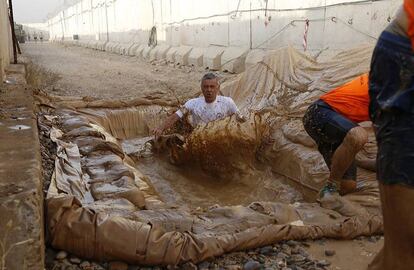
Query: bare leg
x,y
397,207
345,154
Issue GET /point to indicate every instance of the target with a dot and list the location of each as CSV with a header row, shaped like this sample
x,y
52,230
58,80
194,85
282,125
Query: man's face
x,y
210,89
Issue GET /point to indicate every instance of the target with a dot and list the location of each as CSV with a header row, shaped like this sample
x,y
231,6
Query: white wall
x,y
5,38
37,29
333,23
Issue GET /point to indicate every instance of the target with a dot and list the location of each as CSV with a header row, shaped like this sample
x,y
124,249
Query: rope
x,y
291,23
353,28
237,9
273,10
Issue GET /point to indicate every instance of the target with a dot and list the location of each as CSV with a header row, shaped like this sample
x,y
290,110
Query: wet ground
x,y
83,72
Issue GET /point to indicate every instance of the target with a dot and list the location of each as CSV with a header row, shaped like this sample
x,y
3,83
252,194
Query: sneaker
x,y
328,189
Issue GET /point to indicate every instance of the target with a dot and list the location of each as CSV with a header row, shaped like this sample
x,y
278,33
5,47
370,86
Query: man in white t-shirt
x,y
203,110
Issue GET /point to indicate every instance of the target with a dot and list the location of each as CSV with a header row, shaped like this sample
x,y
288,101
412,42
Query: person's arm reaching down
x,y
169,122
234,110
172,119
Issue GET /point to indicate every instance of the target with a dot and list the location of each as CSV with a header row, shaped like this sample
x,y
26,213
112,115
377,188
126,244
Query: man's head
x,y
210,86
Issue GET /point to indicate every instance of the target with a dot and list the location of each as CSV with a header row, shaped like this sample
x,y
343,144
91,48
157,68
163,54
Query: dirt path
x,y
83,72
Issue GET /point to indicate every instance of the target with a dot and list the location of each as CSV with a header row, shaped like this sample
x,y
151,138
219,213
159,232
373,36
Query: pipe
x,y
12,30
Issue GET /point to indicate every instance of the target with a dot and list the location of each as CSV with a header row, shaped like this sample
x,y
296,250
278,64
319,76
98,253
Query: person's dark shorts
x,y
391,90
328,129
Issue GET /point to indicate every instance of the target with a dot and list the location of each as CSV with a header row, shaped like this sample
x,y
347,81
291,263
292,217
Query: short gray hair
x,y
210,76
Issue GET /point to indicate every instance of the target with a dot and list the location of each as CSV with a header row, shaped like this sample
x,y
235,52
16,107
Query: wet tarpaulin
x,y
101,206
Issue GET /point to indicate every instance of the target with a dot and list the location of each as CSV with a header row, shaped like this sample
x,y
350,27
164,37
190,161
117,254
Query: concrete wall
x,y
335,24
5,39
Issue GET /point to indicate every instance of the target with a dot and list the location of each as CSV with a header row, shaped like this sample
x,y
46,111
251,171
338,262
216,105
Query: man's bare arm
x,y
169,122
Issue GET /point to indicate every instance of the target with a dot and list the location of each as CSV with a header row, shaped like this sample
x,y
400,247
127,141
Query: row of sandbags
x,y
230,59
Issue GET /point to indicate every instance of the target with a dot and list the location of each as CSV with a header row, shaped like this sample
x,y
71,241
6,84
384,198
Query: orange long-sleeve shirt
x,y
351,99
409,10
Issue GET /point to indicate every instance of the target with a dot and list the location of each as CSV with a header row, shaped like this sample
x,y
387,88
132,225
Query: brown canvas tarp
x,y
100,206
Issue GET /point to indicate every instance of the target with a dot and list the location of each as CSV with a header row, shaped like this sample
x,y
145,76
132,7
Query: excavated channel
x,y
188,185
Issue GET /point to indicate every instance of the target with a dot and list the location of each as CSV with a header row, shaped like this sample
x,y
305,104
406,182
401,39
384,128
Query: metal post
x,y
250,24
107,27
13,32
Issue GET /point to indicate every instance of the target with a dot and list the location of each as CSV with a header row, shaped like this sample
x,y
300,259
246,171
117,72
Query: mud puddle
x,y
193,187
188,186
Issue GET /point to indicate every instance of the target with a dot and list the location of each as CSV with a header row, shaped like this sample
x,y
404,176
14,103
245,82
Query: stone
x,y
330,252
266,250
306,244
61,255
323,263
118,266
280,263
297,258
286,249
72,267
233,267
203,265
85,264
373,239
282,256
295,250
303,252
189,266
251,265
292,243
66,262
98,266
75,260
310,264
214,266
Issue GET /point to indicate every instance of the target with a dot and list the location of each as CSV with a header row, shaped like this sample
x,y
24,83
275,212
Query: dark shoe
x,y
329,189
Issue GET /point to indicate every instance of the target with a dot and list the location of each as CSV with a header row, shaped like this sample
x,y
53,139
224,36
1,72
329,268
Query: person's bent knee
x,y
357,137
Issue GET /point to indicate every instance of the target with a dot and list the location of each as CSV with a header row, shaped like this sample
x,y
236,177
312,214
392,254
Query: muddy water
x,y
189,186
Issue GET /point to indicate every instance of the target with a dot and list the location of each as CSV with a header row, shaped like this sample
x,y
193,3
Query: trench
x,y
188,185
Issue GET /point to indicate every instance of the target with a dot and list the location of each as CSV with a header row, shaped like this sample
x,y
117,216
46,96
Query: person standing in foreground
x,y
202,110
332,121
391,90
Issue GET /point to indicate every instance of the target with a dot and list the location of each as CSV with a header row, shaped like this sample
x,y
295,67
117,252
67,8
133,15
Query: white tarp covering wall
x,y
336,24
5,38
36,29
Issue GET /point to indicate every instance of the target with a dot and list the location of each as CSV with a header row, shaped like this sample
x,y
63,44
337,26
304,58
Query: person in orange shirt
x,y
391,108
332,122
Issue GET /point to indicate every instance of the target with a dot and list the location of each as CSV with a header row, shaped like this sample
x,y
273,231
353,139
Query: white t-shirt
x,y
202,112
